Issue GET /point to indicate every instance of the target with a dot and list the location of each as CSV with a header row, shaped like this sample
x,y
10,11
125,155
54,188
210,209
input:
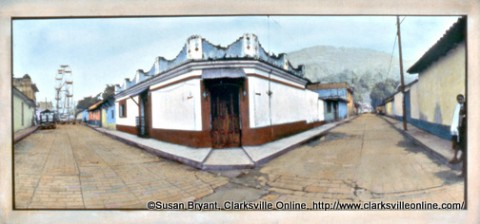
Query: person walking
x,y
462,134
454,128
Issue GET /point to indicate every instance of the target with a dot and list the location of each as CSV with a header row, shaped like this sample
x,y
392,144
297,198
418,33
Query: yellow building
x,y
442,74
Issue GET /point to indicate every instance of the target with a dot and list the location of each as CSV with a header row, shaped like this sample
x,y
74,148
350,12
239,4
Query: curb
x,y
153,151
18,138
207,167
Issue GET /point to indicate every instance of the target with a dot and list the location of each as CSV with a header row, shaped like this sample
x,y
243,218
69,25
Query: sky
x,y
106,51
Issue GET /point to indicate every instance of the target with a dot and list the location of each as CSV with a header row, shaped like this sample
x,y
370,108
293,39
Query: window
x,y
122,109
113,114
329,107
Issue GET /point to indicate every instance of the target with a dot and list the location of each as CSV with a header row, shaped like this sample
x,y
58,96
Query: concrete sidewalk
x,y
221,159
438,147
21,134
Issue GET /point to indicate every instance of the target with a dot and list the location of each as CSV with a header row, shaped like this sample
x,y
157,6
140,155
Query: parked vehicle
x,y
48,119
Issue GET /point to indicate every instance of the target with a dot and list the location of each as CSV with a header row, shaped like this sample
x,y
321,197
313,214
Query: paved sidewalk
x,y
439,147
222,159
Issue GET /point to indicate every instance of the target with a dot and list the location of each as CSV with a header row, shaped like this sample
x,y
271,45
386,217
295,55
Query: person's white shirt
x,y
455,120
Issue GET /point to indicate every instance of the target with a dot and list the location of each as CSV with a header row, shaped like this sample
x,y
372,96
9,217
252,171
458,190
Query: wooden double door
x,y
225,114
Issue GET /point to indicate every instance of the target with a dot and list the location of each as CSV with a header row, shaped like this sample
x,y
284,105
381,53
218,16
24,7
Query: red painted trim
x,y
196,139
258,136
128,129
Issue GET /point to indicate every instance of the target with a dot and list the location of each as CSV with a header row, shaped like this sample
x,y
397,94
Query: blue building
x,y
108,113
85,116
338,98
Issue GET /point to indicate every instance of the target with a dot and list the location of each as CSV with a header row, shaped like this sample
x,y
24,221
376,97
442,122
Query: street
x,y
365,159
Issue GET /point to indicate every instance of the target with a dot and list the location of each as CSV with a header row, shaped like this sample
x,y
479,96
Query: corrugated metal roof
x,y
95,105
453,36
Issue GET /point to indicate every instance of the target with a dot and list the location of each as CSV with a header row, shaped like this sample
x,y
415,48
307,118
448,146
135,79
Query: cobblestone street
x,y
365,159
76,167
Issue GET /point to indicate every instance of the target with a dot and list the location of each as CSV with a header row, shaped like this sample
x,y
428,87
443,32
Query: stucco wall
x,y
329,116
320,110
28,112
107,120
389,108
350,104
94,117
259,103
414,112
132,112
342,110
439,85
178,106
110,118
85,115
397,104
286,104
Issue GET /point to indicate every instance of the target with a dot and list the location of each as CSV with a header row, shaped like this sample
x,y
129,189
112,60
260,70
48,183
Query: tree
x,y
108,92
381,90
88,101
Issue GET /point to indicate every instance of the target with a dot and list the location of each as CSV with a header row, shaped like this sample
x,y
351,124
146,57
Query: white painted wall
x,y
321,110
178,78
132,112
397,104
259,102
314,107
194,47
178,106
267,75
286,104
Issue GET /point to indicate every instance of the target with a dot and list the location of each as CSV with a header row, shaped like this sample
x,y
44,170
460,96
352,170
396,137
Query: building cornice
x,y
194,65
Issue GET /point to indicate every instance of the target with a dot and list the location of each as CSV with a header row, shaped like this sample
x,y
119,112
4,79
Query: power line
x,y
391,55
393,48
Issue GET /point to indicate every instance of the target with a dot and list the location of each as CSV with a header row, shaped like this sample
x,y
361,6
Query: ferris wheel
x,y
64,93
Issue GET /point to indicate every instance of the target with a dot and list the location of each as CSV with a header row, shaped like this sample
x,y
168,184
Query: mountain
x,y
361,68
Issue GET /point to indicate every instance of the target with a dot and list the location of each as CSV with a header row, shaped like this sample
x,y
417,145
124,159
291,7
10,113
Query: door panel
x,y
142,122
225,116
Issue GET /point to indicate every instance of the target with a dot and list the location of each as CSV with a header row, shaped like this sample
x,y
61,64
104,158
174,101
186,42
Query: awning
x,y
217,73
334,98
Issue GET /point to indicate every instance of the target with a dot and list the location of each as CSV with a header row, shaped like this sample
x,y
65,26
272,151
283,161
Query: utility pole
x,y
402,87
